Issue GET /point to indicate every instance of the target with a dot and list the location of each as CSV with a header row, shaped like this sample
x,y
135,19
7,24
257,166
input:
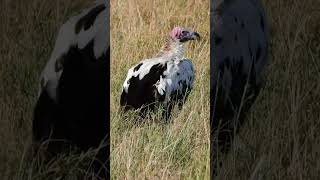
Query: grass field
x,y
27,34
154,150
281,139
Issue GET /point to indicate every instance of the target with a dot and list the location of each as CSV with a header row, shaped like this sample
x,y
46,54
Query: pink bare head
x,y
183,35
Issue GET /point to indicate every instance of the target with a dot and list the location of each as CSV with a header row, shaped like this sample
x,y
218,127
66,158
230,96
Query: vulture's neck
x,y
171,50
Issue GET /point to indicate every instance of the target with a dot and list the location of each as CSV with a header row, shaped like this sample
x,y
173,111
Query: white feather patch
x,y
67,38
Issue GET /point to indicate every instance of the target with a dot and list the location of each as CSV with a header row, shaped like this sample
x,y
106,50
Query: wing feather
x,y
68,38
155,79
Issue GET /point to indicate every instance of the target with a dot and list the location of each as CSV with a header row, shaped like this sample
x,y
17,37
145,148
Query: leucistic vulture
x,y
163,80
72,105
239,38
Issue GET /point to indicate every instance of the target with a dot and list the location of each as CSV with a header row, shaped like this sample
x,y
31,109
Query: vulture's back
x,y
238,59
73,100
155,81
239,52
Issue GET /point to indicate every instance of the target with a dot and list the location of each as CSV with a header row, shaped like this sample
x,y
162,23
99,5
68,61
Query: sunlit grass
x,y
281,139
154,149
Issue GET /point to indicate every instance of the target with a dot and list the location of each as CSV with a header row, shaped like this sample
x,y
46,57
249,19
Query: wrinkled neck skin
x,y
171,50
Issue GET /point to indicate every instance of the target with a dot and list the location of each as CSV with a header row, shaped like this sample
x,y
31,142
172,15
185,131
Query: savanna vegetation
x,y
154,149
280,139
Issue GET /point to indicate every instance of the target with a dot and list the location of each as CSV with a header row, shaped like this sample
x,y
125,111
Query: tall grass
x,y
280,140
281,136
154,150
28,31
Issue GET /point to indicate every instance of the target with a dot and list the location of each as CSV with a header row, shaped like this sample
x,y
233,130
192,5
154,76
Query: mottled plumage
x,y
72,105
165,79
238,58
86,30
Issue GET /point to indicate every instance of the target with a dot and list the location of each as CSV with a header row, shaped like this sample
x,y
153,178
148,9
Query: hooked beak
x,y
190,36
195,36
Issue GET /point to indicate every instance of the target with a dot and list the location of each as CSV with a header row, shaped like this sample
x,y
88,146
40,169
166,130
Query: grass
x,y
27,33
155,150
280,140
281,137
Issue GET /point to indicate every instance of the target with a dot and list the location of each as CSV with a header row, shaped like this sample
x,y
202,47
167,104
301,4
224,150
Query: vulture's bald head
x,y
183,35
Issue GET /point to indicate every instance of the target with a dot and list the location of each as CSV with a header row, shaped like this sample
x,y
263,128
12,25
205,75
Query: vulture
x,y
72,105
162,81
239,38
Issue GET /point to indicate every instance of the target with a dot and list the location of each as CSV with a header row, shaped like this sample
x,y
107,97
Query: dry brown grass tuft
x,y
153,150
